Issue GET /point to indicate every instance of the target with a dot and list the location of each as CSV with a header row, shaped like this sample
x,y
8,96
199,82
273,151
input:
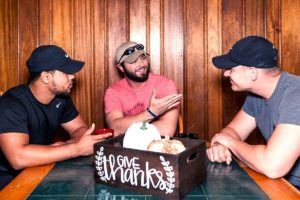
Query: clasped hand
x,y
219,150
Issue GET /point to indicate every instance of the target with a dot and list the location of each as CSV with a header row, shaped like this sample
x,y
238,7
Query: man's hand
x,y
160,106
87,140
224,139
219,153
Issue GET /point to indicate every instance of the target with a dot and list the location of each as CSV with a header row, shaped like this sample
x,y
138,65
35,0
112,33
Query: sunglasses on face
x,y
131,50
188,135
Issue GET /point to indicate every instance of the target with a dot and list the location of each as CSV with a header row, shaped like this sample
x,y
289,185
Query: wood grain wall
x,y
181,36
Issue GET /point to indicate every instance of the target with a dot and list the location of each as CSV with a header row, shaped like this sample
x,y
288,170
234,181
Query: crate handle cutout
x,y
192,157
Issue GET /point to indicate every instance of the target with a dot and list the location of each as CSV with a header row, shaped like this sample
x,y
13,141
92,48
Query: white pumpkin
x,y
166,146
139,135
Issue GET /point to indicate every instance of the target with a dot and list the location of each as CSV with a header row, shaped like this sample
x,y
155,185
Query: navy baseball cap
x,y
52,57
252,51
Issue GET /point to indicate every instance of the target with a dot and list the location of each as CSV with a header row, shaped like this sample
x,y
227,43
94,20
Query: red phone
x,y
103,131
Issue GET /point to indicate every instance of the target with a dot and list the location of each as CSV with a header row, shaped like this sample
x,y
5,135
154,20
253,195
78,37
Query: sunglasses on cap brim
x,y
131,50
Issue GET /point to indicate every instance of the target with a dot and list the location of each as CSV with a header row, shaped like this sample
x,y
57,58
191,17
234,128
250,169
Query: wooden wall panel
x,y
173,52
181,36
173,41
100,61
154,34
254,14
82,20
27,35
194,68
214,100
8,44
118,32
45,22
290,41
273,24
138,21
62,25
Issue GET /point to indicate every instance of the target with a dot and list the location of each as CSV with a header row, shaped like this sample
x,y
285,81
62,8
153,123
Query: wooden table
x,y
274,188
22,186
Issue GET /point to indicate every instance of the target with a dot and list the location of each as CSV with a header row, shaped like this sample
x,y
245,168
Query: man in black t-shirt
x,y
30,115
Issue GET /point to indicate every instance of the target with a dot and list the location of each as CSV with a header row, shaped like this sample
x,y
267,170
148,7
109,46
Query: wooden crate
x,y
165,175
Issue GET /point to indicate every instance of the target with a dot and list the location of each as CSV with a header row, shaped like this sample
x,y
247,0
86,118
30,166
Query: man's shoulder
x,y
15,94
118,85
160,79
290,79
16,91
12,101
290,84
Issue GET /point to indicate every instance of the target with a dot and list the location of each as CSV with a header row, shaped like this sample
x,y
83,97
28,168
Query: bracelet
x,y
156,117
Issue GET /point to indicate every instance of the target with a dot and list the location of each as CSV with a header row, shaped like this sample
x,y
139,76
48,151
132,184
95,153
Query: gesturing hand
x,y
87,140
160,106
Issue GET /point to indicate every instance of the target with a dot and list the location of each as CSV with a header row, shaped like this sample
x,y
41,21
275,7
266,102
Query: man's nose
x,y
71,76
227,73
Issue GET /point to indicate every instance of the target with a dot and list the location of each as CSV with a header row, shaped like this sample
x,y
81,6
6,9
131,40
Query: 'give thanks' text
x,y
133,172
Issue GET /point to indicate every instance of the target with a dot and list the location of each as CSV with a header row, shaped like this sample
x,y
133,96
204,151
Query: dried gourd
x,y
166,146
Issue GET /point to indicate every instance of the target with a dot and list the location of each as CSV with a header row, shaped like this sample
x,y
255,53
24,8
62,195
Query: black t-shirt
x,y
21,112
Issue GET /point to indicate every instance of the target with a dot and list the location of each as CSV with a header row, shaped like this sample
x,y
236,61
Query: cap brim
x,y
224,62
71,67
133,57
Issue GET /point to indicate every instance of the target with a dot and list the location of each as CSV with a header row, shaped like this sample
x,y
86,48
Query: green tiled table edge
x,y
74,179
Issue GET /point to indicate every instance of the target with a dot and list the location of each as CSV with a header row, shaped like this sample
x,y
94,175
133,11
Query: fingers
x,y
174,105
173,98
153,94
213,140
102,136
90,130
159,106
218,153
228,156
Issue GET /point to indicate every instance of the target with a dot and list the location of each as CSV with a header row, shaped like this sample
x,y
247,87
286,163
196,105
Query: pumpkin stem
x,y
144,127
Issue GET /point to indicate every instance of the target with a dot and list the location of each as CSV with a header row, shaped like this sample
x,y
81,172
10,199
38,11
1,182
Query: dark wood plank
x,y
195,81
8,44
290,41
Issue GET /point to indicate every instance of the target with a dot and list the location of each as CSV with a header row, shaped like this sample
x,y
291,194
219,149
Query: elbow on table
x,y
17,163
274,172
17,166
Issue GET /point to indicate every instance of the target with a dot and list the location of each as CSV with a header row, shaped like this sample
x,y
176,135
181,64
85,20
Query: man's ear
x,y
120,67
45,77
253,73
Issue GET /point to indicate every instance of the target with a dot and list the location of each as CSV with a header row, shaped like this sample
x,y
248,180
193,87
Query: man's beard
x,y
133,77
63,93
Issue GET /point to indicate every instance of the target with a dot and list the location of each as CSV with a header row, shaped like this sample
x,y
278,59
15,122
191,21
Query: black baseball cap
x,y
253,51
52,57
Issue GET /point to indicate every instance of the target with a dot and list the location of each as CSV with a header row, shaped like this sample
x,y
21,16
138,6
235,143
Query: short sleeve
x,y
289,108
111,101
13,115
248,106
